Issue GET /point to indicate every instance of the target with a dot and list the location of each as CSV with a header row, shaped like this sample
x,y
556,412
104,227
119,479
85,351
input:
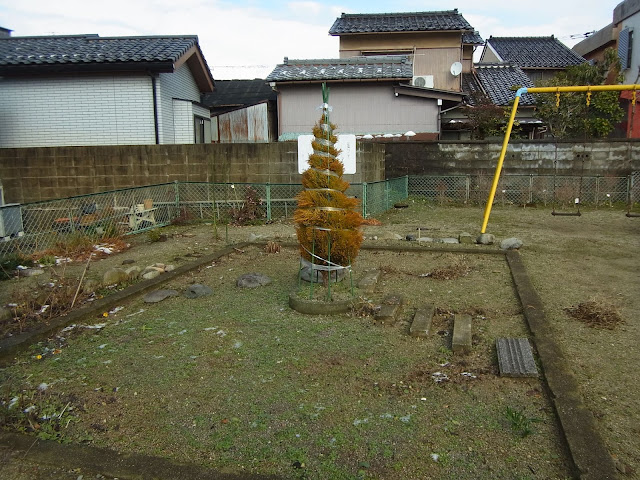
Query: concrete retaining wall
x,y
523,157
34,174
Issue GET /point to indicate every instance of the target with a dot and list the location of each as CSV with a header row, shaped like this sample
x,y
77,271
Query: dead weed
x,y
459,268
596,314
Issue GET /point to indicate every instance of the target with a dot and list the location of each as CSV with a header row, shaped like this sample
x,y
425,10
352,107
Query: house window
x,y
377,53
625,47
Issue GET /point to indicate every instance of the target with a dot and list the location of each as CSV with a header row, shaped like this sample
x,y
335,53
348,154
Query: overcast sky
x,y
253,36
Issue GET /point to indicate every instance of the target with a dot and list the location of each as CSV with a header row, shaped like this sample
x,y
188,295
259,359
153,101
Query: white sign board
x,y
346,143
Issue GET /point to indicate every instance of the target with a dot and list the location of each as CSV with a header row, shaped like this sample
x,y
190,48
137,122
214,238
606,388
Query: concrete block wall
x,y
607,157
93,110
35,174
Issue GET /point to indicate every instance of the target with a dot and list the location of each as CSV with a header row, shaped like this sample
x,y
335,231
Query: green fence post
x,y
176,187
386,195
364,199
406,186
268,187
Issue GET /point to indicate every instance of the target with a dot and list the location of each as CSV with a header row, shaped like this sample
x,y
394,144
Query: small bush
x,y
185,217
154,235
47,260
9,263
519,422
251,211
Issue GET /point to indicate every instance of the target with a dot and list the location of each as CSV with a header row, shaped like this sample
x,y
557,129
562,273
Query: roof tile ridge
x,y
400,14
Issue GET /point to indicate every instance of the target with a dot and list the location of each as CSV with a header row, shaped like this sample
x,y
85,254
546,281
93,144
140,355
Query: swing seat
x,y
566,214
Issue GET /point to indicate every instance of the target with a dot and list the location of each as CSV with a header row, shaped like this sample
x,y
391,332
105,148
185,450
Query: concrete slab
x,y
461,342
515,358
393,299
387,314
465,238
369,281
422,321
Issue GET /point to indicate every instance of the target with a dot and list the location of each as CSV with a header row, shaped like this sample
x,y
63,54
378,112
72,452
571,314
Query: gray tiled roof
x,y
399,22
92,49
355,68
496,80
535,52
238,93
472,38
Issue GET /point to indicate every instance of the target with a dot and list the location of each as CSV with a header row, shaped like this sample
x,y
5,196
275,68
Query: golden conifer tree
x,y
327,222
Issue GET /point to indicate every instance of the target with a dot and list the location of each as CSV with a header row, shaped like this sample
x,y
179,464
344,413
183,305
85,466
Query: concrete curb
x,y
10,346
591,458
110,463
314,307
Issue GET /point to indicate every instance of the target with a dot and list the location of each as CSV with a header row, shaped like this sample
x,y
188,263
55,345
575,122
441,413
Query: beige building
x,y
396,73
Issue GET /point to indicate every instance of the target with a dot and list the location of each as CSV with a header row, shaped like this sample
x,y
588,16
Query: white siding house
x,y
87,90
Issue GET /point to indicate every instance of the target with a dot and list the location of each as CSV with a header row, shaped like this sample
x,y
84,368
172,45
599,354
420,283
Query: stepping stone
x,y
387,314
197,290
159,295
422,321
515,358
461,342
252,280
393,299
369,281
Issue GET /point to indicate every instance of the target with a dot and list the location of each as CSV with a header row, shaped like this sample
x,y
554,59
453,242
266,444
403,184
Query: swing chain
x,y
588,98
557,99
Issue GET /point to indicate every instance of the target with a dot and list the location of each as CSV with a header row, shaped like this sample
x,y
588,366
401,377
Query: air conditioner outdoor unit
x,y
10,220
422,81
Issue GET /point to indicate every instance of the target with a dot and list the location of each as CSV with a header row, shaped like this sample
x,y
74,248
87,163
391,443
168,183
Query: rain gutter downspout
x,y
154,90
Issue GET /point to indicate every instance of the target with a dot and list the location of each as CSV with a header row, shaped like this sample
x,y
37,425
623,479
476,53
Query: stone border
x,y
587,450
12,345
315,307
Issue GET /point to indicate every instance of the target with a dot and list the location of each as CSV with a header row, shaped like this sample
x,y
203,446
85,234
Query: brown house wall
x,y
35,174
353,45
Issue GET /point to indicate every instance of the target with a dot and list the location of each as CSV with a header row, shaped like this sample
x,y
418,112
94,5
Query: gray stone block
x,y
252,280
511,244
422,321
486,239
465,238
369,281
515,358
393,299
159,295
387,314
461,342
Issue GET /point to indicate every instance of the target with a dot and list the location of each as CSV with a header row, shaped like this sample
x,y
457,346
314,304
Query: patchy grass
x,y
343,384
239,381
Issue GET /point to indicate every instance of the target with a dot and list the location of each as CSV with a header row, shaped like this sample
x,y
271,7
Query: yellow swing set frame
x,y
557,90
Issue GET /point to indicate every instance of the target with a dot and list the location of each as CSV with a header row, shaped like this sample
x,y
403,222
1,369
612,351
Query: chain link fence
x,y
32,227
36,227
558,190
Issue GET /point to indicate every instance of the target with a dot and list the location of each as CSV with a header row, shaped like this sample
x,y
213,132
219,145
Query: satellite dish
x,y
456,69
